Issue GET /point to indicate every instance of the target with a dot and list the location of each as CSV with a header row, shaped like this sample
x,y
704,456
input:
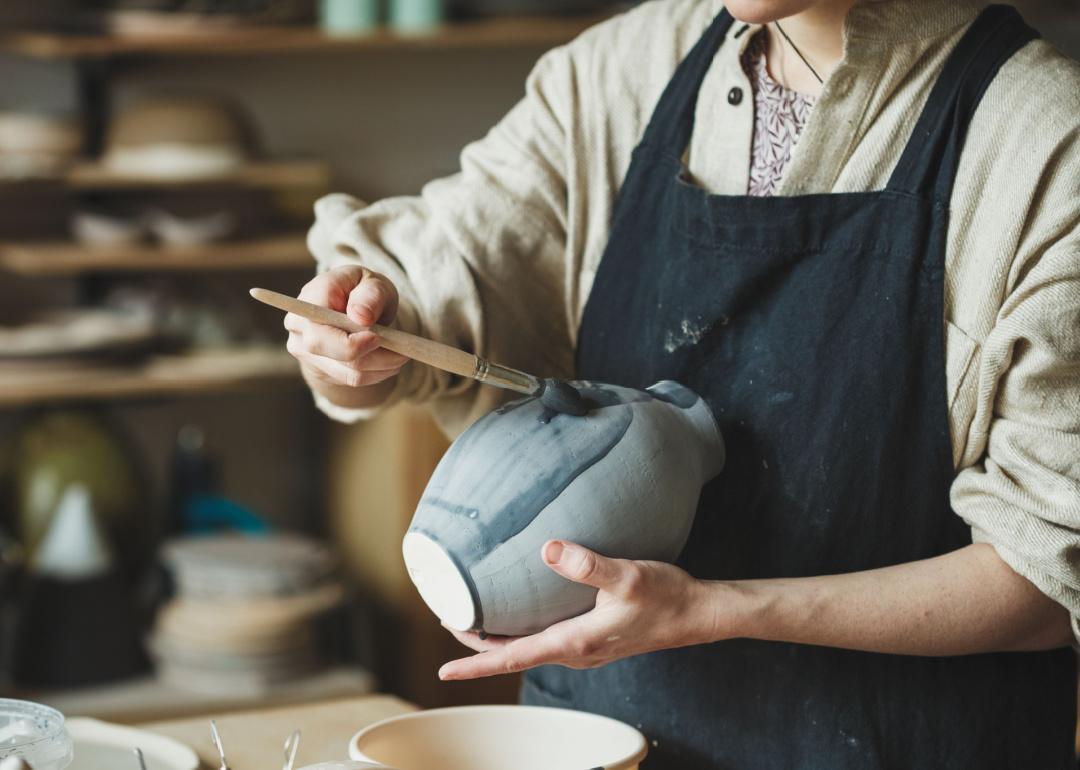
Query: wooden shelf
x,y
260,174
490,33
217,371
89,176
49,258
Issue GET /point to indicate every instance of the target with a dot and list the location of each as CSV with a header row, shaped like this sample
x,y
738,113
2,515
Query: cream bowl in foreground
x,y
500,738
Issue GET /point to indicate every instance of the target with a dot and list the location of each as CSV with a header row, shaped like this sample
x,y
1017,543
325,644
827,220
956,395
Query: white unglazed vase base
x,y
439,581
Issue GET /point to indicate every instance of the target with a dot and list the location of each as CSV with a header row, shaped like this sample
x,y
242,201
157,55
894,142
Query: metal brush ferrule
x,y
505,377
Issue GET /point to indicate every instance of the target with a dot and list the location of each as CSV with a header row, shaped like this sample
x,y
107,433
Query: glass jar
x,y
34,733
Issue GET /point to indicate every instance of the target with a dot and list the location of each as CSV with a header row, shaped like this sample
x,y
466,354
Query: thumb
x,y
578,563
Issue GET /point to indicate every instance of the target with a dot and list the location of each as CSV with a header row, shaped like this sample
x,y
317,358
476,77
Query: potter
x,y
624,479
884,317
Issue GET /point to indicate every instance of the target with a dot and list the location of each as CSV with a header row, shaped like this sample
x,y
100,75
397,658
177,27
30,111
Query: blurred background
x,y
180,530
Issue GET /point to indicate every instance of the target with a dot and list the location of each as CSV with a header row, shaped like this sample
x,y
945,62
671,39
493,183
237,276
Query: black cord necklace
x,y
798,52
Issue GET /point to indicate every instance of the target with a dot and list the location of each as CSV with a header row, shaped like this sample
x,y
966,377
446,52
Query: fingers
x,y
321,340
340,373
577,563
519,655
373,300
475,641
336,356
331,289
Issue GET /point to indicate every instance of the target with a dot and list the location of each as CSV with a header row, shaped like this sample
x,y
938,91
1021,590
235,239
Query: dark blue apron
x,y
813,326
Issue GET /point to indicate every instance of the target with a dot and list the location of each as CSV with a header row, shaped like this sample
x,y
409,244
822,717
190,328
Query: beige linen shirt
x,y
499,258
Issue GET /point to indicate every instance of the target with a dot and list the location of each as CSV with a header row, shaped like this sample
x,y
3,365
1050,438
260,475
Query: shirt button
x,y
734,96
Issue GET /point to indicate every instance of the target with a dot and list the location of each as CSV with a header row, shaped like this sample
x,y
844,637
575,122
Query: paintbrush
x,y
553,394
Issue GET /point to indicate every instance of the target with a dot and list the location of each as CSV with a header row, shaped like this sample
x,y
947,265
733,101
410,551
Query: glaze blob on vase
x,y
623,480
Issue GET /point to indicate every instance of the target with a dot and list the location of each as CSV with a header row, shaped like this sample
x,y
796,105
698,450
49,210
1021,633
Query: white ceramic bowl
x,y
94,228
500,738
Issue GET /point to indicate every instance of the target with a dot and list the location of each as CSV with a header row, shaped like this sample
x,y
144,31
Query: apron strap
x,y
928,164
672,122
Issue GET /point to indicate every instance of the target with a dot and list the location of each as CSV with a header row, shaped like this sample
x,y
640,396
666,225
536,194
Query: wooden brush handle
x,y
409,345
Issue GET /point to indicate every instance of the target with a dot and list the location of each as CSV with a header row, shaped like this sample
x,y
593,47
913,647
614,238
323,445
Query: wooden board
x,y
253,740
135,701
172,375
490,33
68,258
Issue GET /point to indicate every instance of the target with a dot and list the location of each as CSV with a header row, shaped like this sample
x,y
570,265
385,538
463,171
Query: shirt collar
x,y
899,21
895,21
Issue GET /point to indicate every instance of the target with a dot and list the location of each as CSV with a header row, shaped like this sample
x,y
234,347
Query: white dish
x,y
28,133
104,746
498,738
93,228
242,567
174,161
79,332
175,230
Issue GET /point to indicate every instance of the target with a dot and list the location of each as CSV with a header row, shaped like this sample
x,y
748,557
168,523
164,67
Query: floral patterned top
x,y
779,117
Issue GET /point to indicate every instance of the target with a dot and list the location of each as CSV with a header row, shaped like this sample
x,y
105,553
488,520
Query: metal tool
x,y
217,745
292,743
140,758
555,394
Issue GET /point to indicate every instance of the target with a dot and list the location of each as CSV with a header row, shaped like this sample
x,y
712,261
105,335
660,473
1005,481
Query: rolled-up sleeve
x,y
1023,495
478,257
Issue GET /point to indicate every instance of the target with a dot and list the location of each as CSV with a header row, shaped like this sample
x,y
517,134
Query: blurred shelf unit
x,y
64,258
491,33
189,374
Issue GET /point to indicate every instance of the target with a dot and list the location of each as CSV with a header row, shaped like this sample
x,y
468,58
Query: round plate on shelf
x,y
79,333
105,746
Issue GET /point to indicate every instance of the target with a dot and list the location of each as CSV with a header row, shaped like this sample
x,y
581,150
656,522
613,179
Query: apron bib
x,y
813,326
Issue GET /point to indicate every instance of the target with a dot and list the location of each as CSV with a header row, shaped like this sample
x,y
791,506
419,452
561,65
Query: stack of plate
x,y
36,145
179,137
245,613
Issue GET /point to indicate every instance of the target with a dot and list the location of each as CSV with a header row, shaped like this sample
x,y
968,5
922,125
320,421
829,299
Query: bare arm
x,y
967,601
964,602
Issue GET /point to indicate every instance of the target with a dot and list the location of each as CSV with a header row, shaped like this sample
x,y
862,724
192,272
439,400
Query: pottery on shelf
x,y
101,229
36,144
623,480
194,230
179,137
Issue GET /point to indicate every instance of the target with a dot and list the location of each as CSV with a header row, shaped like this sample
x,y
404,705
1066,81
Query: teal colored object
x,y
207,514
416,15
347,17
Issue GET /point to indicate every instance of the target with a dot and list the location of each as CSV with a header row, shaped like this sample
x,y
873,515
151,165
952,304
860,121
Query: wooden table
x,y
253,739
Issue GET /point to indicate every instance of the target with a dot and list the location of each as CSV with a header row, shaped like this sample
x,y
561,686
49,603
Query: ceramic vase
x,y
623,480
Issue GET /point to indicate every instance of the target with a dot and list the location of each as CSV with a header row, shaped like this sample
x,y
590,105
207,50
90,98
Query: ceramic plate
x,y
105,746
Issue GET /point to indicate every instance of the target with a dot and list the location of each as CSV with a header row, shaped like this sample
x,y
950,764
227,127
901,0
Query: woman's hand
x,y
641,606
336,358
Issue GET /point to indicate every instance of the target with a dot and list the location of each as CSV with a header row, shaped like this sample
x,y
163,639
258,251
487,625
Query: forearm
x,y
964,602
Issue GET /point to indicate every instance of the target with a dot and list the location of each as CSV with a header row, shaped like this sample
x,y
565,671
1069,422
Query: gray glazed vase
x,y
624,480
